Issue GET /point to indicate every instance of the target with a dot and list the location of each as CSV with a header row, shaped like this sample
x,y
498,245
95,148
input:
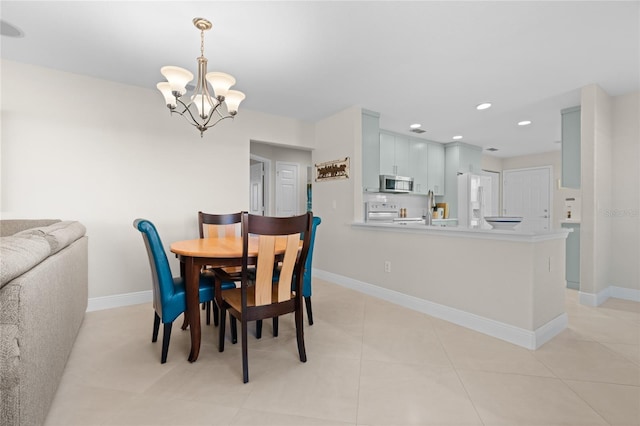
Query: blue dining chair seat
x,y
169,296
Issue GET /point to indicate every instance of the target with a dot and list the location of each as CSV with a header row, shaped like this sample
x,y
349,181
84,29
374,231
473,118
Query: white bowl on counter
x,y
503,222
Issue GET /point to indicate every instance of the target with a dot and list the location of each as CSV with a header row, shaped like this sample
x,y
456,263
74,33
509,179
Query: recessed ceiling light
x,y
483,105
492,149
457,137
415,126
524,123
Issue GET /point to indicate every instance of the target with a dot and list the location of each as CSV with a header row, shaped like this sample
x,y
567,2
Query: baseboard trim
x,y
118,300
509,333
625,293
597,299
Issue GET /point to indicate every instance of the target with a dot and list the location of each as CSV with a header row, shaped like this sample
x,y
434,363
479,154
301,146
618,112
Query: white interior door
x,y
493,209
256,206
526,193
286,189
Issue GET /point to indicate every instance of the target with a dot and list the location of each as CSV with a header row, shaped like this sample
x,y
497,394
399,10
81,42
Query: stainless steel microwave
x,y
396,183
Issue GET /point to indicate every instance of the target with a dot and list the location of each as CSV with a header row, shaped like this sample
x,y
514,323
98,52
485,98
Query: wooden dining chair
x,y
265,298
219,226
306,281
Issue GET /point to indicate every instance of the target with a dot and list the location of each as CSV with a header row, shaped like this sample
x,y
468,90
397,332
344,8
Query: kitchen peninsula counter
x,y
462,232
505,283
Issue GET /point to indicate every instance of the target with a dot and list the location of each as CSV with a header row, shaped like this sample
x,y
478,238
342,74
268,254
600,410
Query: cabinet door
x,y
370,151
387,154
418,160
572,257
571,147
402,155
435,167
470,160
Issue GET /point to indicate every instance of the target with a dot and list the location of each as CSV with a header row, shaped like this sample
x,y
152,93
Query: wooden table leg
x,y
192,278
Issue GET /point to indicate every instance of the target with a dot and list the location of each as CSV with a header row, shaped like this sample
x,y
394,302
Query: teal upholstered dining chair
x,y
306,283
169,299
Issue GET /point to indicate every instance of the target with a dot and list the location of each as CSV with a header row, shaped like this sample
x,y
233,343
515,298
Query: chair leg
x,y
185,321
234,329
245,355
258,329
307,302
223,319
156,327
208,312
216,313
275,326
300,334
166,335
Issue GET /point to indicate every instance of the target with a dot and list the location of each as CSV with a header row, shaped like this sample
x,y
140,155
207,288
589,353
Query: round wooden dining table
x,y
213,252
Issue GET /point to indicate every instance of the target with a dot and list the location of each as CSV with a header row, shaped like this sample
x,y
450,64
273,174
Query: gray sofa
x,y
43,298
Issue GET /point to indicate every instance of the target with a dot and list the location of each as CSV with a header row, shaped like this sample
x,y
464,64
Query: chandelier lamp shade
x,y
204,107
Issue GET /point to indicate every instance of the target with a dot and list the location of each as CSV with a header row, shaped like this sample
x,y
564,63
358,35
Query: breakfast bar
x,y
508,284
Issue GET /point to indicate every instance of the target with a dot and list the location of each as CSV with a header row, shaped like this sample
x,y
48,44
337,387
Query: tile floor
x,y
369,363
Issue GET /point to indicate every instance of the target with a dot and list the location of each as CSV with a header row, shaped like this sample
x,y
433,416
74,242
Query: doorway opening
x,y
281,188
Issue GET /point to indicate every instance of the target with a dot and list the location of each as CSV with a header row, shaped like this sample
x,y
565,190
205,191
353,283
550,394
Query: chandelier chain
x,y
201,42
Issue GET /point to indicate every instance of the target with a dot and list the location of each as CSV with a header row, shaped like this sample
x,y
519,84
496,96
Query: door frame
x,y
266,192
549,170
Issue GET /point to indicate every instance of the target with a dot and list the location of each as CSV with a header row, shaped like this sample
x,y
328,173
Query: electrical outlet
x,y
387,266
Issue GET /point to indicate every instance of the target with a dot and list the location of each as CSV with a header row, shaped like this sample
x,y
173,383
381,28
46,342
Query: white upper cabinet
x,y
394,154
420,159
571,147
418,165
370,150
435,167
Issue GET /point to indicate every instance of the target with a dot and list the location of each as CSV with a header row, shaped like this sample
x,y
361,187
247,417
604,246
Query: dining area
x,y
252,267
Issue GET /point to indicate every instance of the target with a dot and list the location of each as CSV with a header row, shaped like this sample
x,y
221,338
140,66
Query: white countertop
x,y
449,231
575,221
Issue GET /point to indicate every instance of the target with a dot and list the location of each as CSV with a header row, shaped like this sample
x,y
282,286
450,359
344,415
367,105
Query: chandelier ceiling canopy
x,y
202,109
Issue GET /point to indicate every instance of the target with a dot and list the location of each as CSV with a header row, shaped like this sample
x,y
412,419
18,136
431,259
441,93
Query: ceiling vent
x,y
418,130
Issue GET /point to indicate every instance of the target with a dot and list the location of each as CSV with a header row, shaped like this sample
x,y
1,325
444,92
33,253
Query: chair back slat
x,y
288,264
219,225
264,269
220,231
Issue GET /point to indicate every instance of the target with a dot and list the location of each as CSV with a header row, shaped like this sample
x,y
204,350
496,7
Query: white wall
x,y
103,153
491,163
596,186
625,206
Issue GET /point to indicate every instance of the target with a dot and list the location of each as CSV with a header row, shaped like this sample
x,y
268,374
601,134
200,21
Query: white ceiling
x,y
420,61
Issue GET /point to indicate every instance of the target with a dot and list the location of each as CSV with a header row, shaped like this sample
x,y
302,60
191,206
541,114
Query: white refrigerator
x,y
474,201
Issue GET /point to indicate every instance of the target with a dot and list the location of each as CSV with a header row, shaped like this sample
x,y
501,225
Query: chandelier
x,y
202,109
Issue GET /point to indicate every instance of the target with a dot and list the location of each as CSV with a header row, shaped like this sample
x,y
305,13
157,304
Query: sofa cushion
x,y
58,235
18,254
13,226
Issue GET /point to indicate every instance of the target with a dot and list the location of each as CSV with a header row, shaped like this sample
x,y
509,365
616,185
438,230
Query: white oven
x,y
380,212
